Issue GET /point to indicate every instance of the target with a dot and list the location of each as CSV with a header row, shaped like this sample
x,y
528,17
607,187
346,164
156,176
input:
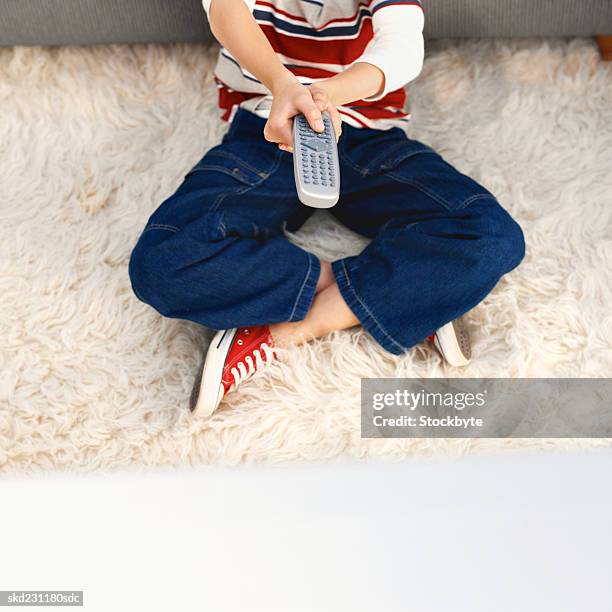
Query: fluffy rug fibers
x,y
92,140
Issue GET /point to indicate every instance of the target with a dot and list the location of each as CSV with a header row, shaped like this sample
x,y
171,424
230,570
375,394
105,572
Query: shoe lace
x,y
247,367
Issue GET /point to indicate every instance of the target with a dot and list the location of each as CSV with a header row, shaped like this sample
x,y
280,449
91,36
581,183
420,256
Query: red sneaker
x,y
233,356
453,342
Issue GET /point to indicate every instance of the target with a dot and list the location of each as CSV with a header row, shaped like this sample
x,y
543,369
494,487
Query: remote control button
x,y
314,144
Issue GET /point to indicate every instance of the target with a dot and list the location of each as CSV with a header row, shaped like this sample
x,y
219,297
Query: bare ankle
x,y
326,278
289,334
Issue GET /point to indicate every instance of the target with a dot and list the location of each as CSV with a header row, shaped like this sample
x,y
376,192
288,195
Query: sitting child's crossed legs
x,y
215,251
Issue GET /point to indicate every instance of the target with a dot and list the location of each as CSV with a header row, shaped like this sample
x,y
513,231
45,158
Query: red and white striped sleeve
x,y
397,47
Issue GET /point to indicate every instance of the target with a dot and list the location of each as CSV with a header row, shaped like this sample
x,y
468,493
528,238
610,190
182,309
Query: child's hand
x,y
324,103
289,99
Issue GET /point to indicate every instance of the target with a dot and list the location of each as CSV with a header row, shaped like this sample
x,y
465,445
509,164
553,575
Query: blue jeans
x,y
215,251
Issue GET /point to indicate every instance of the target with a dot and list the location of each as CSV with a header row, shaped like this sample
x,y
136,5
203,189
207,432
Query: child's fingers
x,y
336,120
320,100
284,147
312,113
278,129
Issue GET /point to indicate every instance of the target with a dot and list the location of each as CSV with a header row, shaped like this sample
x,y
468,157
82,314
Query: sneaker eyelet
x,y
240,342
246,331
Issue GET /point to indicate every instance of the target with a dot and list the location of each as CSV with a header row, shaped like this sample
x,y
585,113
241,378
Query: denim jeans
x,y
215,251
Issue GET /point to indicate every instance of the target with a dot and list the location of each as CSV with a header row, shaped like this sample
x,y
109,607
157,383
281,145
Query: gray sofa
x,y
61,22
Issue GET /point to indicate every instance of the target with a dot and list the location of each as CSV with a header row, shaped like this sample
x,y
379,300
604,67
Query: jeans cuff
x,y
307,290
360,309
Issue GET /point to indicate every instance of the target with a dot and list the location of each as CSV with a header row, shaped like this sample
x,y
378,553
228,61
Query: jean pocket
x,y
379,151
225,159
399,153
419,166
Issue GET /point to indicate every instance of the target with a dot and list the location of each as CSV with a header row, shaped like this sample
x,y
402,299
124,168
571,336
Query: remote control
x,y
315,163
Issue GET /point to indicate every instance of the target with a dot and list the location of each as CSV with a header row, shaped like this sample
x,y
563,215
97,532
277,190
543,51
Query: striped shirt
x,y
316,39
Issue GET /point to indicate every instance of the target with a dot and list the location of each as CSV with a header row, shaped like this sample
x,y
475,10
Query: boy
x,y
215,251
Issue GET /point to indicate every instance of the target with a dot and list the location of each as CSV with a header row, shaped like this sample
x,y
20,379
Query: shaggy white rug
x,y
92,140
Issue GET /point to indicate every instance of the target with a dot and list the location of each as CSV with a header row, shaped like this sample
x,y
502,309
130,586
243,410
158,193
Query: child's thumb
x,y
313,115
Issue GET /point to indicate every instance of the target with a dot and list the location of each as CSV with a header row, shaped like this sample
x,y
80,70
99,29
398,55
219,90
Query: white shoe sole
x,y
453,342
207,389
